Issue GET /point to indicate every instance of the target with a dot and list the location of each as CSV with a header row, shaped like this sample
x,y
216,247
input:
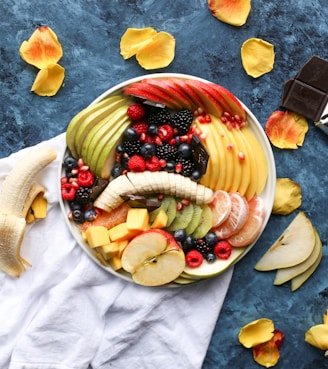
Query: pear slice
x,y
293,246
286,274
301,278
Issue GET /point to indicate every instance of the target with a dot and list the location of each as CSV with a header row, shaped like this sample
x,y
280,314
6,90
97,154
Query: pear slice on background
x,y
292,247
286,274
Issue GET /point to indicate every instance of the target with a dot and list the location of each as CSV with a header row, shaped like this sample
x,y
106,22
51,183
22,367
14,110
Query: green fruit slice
x,y
205,224
183,218
196,219
171,210
164,206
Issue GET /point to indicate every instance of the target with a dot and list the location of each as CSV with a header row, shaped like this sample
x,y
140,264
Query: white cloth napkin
x,y
67,312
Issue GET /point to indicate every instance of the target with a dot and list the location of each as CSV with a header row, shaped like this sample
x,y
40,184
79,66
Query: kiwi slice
x,y
171,210
205,223
164,206
196,219
182,218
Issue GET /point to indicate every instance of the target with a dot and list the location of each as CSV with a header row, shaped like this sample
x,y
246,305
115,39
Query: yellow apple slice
x,y
153,258
286,274
292,247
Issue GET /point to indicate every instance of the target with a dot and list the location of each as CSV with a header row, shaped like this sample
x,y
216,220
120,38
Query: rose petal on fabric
x,y
42,48
325,317
256,332
267,354
158,53
257,57
234,12
286,130
288,196
134,39
317,336
48,80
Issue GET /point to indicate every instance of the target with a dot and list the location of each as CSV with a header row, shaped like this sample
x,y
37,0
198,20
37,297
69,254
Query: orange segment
x,y
220,206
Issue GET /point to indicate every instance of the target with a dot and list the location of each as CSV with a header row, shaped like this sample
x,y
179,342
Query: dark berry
x,y
82,195
170,166
182,121
211,239
202,247
90,215
159,117
189,242
185,150
70,163
148,150
131,147
77,216
166,151
180,235
119,149
131,134
152,130
195,175
187,165
117,170
73,205
210,257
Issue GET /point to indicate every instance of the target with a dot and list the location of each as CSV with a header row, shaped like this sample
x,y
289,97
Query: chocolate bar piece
x,y
307,93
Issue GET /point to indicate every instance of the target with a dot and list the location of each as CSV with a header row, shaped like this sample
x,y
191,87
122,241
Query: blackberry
x,y
188,165
82,195
166,151
131,147
203,247
159,116
182,121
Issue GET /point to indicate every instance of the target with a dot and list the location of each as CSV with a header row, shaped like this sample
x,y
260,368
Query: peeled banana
x,y
147,182
17,194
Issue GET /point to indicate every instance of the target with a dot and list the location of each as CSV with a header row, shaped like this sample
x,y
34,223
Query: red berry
x,y
194,259
68,191
153,164
165,132
222,250
85,178
137,163
140,126
136,111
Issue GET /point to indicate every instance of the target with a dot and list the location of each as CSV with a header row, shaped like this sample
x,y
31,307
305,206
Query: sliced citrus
x,y
220,206
236,219
252,228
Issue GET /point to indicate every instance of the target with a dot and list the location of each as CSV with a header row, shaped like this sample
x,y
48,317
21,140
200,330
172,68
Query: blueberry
x,y
90,215
70,163
185,150
152,130
195,175
116,170
131,134
180,235
211,238
78,216
210,257
124,163
148,150
119,149
190,241
170,166
74,205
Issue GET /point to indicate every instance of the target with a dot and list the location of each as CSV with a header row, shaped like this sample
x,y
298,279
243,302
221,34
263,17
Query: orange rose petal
x,y
286,130
234,12
42,48
134,39
267,354
257,57
48,80
158,53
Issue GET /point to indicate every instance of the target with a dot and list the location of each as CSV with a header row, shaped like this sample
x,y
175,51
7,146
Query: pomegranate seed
x,y
227,115
142,137
178,167
241,156
173,141
201,119
80,162
230,146
74,171
208,118
183,138
84,168
162,163
158,141
185,202
160,197
63,180
179,206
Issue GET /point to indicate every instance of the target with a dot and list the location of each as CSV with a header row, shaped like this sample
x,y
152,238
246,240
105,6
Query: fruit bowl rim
x,y
267,194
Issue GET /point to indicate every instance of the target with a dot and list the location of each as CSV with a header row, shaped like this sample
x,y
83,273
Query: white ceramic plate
x,y
267,194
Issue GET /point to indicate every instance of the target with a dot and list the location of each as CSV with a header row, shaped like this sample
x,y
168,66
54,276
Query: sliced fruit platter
x,y
167,179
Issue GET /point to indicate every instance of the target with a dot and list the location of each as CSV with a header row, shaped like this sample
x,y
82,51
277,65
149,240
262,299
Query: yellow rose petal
x,y
158,53
288,196
257,57
134,39
256,332
48,80
42,48
317,336
234,12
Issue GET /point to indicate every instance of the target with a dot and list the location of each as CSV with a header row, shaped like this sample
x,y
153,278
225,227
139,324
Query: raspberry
x,y
153,164
136,111
165,132
141,126
194,258
68,191
137,163
222,250
85,178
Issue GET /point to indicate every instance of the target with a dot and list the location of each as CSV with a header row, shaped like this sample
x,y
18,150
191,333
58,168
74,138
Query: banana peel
x,y
16,198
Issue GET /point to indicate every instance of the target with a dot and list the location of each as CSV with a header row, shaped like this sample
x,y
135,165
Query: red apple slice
x,y
236,219
153,258
189,92
253,226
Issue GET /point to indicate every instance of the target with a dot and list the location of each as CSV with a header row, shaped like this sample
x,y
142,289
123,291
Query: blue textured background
x,y
90,32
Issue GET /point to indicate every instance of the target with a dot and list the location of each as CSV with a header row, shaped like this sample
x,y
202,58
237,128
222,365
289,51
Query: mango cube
x,y
115,262
97,236
109,250
160,220
137,219
121,232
